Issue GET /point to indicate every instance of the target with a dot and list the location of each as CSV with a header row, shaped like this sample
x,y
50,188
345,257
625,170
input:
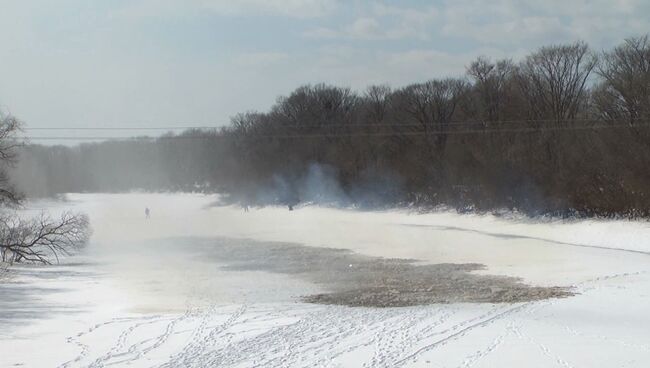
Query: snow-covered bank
x,y
121,303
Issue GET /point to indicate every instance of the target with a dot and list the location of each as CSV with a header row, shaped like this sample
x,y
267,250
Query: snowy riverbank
x,y
140,295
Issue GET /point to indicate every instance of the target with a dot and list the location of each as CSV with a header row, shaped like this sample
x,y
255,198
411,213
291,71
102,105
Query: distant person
x,y
294,200
147,212
245,206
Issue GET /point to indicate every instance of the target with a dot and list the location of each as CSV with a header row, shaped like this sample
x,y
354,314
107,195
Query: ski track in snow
x,y
312,337
298,335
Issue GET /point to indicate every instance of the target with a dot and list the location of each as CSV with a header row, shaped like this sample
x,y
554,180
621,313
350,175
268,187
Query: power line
x,y
123,128
345,135
353,125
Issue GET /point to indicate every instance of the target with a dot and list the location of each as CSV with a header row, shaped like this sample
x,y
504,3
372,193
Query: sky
x,y
172,63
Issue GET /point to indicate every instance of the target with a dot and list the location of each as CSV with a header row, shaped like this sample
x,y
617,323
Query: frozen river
x,y
198,285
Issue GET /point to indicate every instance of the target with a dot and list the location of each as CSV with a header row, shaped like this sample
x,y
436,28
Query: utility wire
x,y
299,126
123,128
345,135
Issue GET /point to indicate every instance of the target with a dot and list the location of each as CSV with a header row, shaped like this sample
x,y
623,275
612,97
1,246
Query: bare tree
x,y
318,105
377,102
491,80
39,239
624,93
553,80
432,105
9,126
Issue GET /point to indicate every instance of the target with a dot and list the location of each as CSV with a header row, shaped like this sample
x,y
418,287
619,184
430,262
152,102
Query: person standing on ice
x,y
147,213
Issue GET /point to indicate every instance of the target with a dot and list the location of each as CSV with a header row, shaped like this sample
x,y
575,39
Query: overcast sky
x,y
85,63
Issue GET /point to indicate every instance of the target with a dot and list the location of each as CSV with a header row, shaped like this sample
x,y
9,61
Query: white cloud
x,y
513,23
290,8
525,29
364,28
411,15
260,59
427,63
321,33
174,8
383,23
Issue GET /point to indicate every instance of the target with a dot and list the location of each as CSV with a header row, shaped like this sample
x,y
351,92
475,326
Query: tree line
x,y
565,130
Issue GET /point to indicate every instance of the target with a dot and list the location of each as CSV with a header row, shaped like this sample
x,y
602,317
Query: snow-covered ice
x,y
135,298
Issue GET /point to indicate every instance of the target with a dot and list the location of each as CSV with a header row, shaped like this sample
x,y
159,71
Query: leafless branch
x,y
41,239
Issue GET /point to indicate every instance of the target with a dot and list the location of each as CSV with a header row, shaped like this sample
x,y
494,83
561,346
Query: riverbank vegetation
x,y
565,130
